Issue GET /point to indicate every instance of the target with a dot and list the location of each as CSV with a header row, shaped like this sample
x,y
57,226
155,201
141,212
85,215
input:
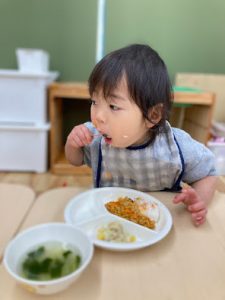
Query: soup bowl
x,y
66,235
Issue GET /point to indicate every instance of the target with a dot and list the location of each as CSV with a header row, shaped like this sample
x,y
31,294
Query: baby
x,y
130,143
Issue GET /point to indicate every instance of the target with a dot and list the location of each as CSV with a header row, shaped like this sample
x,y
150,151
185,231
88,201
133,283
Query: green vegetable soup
x,y
49,261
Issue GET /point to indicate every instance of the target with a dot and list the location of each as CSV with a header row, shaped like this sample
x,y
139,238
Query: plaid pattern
x,y
142,169
153,168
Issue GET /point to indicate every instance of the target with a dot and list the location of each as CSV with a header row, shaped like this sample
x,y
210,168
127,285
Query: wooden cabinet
x,y
61,96
191,111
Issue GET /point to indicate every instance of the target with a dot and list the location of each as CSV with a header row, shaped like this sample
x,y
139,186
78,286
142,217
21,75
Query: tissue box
x,y
32,60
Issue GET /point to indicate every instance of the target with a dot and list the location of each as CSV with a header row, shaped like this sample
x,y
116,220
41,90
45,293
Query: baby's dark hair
x,y
146,75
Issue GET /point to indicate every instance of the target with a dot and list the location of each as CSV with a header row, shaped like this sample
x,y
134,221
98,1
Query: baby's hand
x,y
79,136
195,205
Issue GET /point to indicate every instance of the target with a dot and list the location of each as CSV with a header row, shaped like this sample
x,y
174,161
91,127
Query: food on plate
x,y
114,232
49,261
138,211
149,209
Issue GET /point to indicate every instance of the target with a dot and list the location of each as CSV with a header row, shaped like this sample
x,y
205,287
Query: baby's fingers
x,y
80,136
199,221
188,196
78,141
198,206
199,217
181,197
85,135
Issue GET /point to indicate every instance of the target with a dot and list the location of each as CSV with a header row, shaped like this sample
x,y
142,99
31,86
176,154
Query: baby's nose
x,y
100,116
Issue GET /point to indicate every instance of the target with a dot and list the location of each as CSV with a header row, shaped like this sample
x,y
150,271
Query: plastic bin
x,y
219,150
24,147
23,97
218,129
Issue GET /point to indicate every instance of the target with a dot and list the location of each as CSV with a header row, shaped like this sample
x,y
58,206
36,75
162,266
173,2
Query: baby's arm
x,y
197,198
76,140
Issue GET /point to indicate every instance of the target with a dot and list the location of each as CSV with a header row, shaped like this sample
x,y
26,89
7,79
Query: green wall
x,y
64,28
189,34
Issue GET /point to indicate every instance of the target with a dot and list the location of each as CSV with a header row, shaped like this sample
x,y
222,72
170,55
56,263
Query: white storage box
x,y
32,60
23,147
219,150
218,129
23,97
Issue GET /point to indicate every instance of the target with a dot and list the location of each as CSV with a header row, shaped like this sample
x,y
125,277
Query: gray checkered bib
x,y
150,167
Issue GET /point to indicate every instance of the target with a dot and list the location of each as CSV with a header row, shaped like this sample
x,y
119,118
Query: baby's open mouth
x,y
107,138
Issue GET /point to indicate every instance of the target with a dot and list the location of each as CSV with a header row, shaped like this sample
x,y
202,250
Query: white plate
x,y
87,211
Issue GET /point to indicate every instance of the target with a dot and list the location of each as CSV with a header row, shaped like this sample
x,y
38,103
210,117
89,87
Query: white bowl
x,y
40,234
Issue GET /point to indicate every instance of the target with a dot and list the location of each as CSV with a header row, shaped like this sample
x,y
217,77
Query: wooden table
x,y
15,200
188,264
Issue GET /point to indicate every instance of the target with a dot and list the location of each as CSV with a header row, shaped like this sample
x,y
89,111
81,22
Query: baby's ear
x,y
155,115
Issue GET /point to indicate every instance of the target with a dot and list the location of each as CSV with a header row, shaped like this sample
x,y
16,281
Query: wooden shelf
x,y
194,113
191,112
59,93
204,98
61,166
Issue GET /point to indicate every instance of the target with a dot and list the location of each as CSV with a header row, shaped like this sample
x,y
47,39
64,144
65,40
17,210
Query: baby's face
x,y
118,118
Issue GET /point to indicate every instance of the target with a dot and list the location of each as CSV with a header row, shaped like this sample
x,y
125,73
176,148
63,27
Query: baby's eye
x,y
92,102
114,107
